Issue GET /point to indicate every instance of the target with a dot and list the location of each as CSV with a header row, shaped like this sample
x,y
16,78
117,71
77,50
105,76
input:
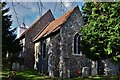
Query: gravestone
x,y
110,68
14,66
94,72
85,72
94,68
17,66
22,67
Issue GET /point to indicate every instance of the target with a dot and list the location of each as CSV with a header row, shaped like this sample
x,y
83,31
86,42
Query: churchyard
x,y
18,72
35,75
84,42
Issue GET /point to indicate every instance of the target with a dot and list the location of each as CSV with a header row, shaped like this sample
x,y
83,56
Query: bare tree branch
x,y
55,6
16,4
64,6
39,8
61,8
72,3
23,6
16,14
41,4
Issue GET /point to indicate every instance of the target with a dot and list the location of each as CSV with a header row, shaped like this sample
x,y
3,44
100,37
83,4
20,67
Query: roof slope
x,y
54,25
23,34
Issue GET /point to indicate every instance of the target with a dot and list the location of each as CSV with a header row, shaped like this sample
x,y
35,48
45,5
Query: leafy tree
x,y
10,45
101,34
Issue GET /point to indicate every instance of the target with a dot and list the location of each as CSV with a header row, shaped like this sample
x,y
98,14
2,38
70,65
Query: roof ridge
x,y
41,31
35,22
55,26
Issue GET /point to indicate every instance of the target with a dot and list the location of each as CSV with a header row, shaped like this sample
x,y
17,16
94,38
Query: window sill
x,y
77,54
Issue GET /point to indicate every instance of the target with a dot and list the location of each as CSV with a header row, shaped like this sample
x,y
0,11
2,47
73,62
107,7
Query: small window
x,y
37,51
79,38
77,44
44,50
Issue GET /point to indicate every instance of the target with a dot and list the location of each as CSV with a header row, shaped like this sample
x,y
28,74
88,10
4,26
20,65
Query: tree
x,y
10,45
101,33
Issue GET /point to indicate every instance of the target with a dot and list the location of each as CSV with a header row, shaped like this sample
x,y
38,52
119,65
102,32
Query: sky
x,y
29,12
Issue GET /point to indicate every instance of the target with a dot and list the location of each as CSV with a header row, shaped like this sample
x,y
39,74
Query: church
x,y
52,46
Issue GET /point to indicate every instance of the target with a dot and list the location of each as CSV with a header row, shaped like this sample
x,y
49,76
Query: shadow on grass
x,y
32,75
35,75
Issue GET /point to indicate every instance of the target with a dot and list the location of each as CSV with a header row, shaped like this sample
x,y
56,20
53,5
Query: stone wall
x,y
54,55
21,54
60,58
72,63
29,45
60,54
49,64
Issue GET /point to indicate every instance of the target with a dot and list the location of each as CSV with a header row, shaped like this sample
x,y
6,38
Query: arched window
x,y
43,49
79,38
77,44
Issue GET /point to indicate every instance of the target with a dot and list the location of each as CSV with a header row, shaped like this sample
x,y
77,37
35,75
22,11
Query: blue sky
x,y
28,12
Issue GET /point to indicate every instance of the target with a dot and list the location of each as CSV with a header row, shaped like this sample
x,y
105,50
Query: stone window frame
x,y
37,51
78,52
43,51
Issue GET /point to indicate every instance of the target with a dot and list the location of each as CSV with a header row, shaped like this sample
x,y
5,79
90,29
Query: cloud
x,y
67,4
66,0
58,0
34,9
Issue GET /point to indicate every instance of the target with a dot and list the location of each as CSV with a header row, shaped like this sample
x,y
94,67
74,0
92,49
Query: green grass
x,y
35,75
26,75
4,74
31,75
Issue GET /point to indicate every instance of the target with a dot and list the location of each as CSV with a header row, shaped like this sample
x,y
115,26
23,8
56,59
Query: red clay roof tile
x,y
54,25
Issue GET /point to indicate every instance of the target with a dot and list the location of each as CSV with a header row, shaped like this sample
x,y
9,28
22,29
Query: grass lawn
x,y
35,75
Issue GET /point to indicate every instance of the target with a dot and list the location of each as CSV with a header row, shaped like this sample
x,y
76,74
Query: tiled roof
x,y
54,25
23,34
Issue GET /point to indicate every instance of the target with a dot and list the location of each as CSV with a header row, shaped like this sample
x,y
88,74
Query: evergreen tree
x,y
10,45
101,34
